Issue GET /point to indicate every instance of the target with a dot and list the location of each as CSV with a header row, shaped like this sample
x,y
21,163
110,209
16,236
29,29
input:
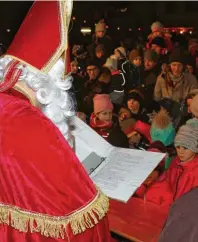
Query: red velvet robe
x,y
39,173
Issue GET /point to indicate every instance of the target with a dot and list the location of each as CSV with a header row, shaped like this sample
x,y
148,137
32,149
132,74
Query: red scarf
x,y
101,127
115,72
96,123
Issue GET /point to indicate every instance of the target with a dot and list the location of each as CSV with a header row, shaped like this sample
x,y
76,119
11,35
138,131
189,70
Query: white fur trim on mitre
x,y
52,92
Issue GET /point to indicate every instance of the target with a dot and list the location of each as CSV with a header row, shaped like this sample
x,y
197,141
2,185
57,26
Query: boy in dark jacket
x,y
133,70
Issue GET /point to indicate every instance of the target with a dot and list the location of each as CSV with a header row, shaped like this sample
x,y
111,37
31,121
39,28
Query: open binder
x,y
117,171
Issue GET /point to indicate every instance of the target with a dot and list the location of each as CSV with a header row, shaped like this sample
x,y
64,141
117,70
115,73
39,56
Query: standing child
x,y
117,84
133,70
105,124
120,54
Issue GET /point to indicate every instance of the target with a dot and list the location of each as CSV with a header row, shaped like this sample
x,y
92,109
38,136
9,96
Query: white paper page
x,y
123,171
82,150
87,141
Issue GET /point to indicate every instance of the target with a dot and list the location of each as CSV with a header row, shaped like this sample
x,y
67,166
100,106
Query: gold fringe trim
x,y
56,226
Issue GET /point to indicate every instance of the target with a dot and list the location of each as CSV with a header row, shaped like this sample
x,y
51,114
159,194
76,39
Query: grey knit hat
x,y
187,136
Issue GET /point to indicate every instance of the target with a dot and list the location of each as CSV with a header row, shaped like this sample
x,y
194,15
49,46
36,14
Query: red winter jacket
x,y
179,179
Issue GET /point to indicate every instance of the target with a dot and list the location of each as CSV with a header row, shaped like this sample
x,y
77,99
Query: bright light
x,y
73,18
139,29
8,30
118,28
85,21
190,32
181,32
130,30
107,26
86,30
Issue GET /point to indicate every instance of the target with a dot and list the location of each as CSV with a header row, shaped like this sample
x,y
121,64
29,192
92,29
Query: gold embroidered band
x,y
55,226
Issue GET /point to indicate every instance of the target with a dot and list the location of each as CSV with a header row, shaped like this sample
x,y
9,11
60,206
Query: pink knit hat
x,y
102,102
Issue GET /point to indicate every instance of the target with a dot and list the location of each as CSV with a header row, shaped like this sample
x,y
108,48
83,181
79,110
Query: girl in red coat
x,y
105,123
182,175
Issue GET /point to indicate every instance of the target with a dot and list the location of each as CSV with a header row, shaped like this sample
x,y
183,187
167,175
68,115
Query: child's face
x,y
99,54
189,69
100,34
185,154
134,137
133,105
117,54
156,48
189,101
74,68
137,61
105,115
149,64
194,111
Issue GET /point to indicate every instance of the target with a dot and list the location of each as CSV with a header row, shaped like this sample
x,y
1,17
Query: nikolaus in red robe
x,y
45,193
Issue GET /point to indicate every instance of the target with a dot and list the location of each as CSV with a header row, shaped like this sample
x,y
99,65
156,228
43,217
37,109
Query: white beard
x,y
51,92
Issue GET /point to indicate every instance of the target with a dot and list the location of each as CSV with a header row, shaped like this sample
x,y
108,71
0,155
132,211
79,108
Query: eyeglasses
x,y
92,69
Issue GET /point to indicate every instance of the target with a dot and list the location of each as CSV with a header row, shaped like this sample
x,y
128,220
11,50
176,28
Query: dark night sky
x,y
13,13
11,16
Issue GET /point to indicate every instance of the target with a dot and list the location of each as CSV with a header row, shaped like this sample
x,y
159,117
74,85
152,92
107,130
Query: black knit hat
x,y
159,41
177,55
167,104
136,96
172,107
92,62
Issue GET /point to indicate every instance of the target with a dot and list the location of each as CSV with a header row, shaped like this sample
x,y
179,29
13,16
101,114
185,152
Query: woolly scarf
x,y
96,123
175,80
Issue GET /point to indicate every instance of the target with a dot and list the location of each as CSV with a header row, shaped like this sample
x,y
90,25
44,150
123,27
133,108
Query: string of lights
x,y
177,30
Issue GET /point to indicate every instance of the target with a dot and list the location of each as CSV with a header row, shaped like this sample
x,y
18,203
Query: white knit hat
x,y
122,51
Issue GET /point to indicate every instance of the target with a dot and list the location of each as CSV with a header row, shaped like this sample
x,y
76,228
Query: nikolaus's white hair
x,y
52,92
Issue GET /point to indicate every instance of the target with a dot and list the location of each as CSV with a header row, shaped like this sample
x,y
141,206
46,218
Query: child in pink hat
x,y
105,123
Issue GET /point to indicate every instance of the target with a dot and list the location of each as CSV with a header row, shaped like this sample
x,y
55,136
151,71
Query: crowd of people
x,y
144,98
139,81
